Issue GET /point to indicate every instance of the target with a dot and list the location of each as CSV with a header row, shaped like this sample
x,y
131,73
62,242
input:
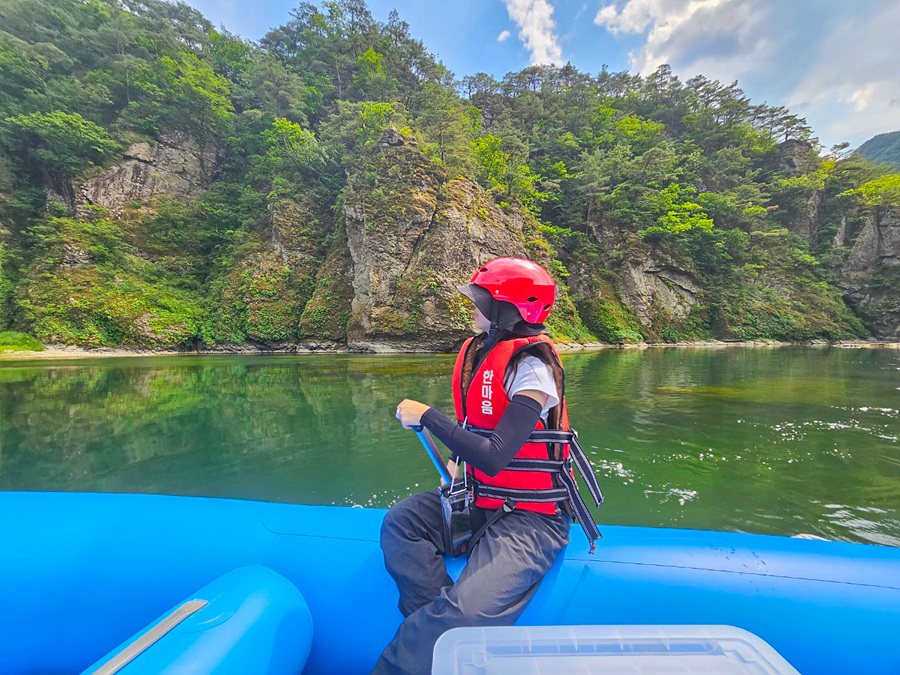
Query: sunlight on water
x,y
780,441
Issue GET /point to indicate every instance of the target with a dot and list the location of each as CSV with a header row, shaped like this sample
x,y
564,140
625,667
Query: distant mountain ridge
x,y
883,148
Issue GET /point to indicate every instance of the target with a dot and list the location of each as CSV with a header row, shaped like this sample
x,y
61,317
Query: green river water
x,y
774,440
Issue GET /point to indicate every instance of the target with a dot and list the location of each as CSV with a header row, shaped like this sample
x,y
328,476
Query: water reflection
x,y
765,440
753,440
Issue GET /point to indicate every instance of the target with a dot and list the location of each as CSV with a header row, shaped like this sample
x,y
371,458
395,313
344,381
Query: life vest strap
x,y
534,464
559,468
586,469
548,496
581,510
565,436
508,507
537,436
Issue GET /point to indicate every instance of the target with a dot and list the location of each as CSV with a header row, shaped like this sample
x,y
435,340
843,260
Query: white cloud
x,y
502,37
537,29
852,86
677,26
862,97
835,65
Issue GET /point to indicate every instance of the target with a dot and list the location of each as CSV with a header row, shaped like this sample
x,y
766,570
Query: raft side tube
x,y
82,572
248,620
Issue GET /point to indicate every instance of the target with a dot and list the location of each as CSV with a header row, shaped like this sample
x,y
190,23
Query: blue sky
x,y
835,62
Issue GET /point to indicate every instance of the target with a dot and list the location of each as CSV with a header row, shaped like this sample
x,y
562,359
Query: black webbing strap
x,y
508,506
552,436
581,510
537,436
568,492
534,464
585,469
576,453
568,437
547,496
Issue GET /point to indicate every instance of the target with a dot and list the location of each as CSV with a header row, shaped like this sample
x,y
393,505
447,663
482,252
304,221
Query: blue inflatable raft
x,y
83,577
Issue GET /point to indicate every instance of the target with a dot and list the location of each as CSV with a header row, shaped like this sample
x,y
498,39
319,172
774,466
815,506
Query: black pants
x,y
500,578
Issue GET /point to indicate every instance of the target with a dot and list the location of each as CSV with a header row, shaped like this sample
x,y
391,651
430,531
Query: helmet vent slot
x,y
532,299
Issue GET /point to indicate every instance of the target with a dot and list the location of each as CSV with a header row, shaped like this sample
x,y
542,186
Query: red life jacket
x,y
480,399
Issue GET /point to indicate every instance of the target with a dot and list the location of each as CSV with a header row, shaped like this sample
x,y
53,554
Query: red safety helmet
x,y
520,282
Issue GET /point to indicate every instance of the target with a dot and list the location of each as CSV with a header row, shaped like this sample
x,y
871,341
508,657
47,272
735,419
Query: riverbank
x,y
66,352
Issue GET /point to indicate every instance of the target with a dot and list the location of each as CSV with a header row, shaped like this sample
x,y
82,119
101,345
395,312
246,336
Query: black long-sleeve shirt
x,y
490,455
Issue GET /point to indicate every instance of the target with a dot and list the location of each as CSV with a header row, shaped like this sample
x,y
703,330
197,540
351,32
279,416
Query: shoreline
x,y
69,352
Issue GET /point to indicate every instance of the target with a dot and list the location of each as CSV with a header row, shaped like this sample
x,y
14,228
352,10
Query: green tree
x,y
498,172
449,125
62,143
592,180
358,125
370,81
289,143
6,288
491,163
882,193
268,87
180,92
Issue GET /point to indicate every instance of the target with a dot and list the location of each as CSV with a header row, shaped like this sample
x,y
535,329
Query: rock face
x,y
806,224
261,299
323,323
870,275
651,285
175,166
794,157
413,236
653,289
296,229
279,281
379,270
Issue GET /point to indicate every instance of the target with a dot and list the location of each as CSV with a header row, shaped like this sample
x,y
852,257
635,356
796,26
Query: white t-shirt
x,y
532,374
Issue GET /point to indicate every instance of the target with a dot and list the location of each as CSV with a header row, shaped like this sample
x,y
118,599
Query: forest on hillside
x,y
668,210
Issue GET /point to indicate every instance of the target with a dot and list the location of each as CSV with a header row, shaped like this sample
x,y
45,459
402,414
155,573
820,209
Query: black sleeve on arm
x,y
492,454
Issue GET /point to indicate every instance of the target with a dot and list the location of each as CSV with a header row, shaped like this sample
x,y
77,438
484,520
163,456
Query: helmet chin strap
x,y
506,320
496,331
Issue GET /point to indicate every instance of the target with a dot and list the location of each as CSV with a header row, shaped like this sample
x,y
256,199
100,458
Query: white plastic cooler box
x,y
606,650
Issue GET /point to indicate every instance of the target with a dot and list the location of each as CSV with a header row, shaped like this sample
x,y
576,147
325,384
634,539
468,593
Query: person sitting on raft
x,y
508,388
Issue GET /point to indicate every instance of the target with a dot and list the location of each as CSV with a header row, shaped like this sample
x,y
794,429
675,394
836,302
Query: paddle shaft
x,y
431,449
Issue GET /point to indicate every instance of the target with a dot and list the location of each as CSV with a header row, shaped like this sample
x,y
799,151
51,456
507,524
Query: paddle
x,y
456,500
431,449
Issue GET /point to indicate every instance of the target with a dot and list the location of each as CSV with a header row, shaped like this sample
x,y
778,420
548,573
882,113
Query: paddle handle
x,y
431,449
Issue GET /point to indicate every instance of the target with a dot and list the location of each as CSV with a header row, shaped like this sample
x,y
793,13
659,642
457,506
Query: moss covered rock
x,y
413,234
271,276
85,286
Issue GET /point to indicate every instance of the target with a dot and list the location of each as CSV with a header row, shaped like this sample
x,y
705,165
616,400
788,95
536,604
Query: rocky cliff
x,y
175,166
101,275
271,276
379,271
869,272
413,234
